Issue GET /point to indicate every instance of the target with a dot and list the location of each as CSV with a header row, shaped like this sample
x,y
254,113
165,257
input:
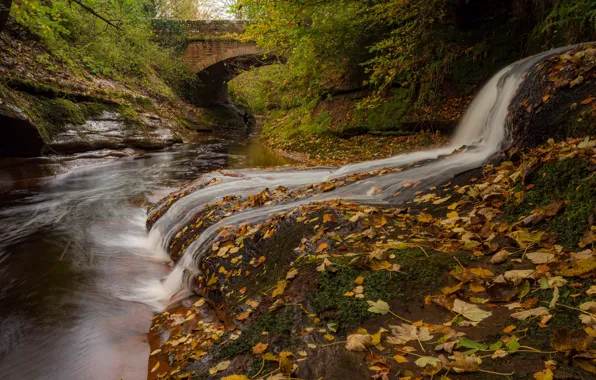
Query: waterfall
x,y
482,130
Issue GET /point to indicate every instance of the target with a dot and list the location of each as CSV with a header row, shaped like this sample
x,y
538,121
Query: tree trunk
x,y
4,12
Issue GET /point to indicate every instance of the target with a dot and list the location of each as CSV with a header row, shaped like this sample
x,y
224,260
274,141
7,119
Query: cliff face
x,y
48,105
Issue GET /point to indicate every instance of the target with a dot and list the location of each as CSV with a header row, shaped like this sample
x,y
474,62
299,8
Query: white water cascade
x,y
482,130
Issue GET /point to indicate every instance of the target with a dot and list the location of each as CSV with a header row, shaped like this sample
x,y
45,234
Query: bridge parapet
x,y
203,29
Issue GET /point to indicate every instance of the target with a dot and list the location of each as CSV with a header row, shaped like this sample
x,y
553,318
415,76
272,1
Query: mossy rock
x,y
417,272
568,180
279,326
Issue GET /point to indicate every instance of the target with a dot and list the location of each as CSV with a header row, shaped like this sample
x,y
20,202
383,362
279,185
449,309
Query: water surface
x,y
73,250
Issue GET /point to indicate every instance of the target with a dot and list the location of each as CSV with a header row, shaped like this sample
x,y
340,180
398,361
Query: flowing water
x,y
73,250
80,276
483,132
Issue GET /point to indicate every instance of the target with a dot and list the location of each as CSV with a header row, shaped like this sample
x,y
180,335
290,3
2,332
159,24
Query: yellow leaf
x,y
155,368
547,374
212,280
329,337
400,359
425,218
359,280
291,274
452,214
286,364
269,357
279,288
482,273
243,316
235,377
452,206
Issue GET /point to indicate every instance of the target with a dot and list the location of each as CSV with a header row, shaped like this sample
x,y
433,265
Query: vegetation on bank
x,y
417,61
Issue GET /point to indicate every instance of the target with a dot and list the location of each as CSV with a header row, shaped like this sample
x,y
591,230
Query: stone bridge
x,y
216,52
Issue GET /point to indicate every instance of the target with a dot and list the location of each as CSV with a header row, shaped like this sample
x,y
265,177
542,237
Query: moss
x,y
583,125
417,273
329,301
566,180
130,115
278,324
388,115
52,115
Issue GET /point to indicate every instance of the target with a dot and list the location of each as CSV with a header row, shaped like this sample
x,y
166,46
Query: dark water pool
x,y
72,255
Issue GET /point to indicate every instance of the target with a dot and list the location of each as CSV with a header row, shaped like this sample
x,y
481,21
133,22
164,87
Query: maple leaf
x,y
405,333
379,307
358,342
463,363
470,311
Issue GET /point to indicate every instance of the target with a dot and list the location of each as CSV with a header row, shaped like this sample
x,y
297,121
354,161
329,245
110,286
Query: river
x,y
74,250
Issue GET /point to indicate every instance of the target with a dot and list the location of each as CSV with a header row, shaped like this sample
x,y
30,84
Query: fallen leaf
x,y
155,367
499,257
523,315
259,348
405,333
219,367
423,361
358,342
540,257
379,307
235,377
463,363
580,267
292,273
470,311
516,276
279,288
286,364
564,340
400,359
322,247
325,266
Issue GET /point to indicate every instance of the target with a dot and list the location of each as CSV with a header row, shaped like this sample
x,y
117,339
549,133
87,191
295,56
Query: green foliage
x,y
413,45
110,38
561,22
567,180
386,115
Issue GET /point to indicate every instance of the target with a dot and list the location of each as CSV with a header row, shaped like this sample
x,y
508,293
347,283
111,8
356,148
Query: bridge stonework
x,y
216,53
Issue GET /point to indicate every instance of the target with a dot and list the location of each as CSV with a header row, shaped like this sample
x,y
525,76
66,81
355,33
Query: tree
x,y
4,12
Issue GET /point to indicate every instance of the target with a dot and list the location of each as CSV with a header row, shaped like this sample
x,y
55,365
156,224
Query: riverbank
x,y
332,150
488,272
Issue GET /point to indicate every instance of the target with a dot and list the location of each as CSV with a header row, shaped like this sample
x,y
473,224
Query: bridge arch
x,y
217,61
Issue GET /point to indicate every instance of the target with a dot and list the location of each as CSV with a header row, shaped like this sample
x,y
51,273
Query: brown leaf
x,y
564,340
358,342
580,267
